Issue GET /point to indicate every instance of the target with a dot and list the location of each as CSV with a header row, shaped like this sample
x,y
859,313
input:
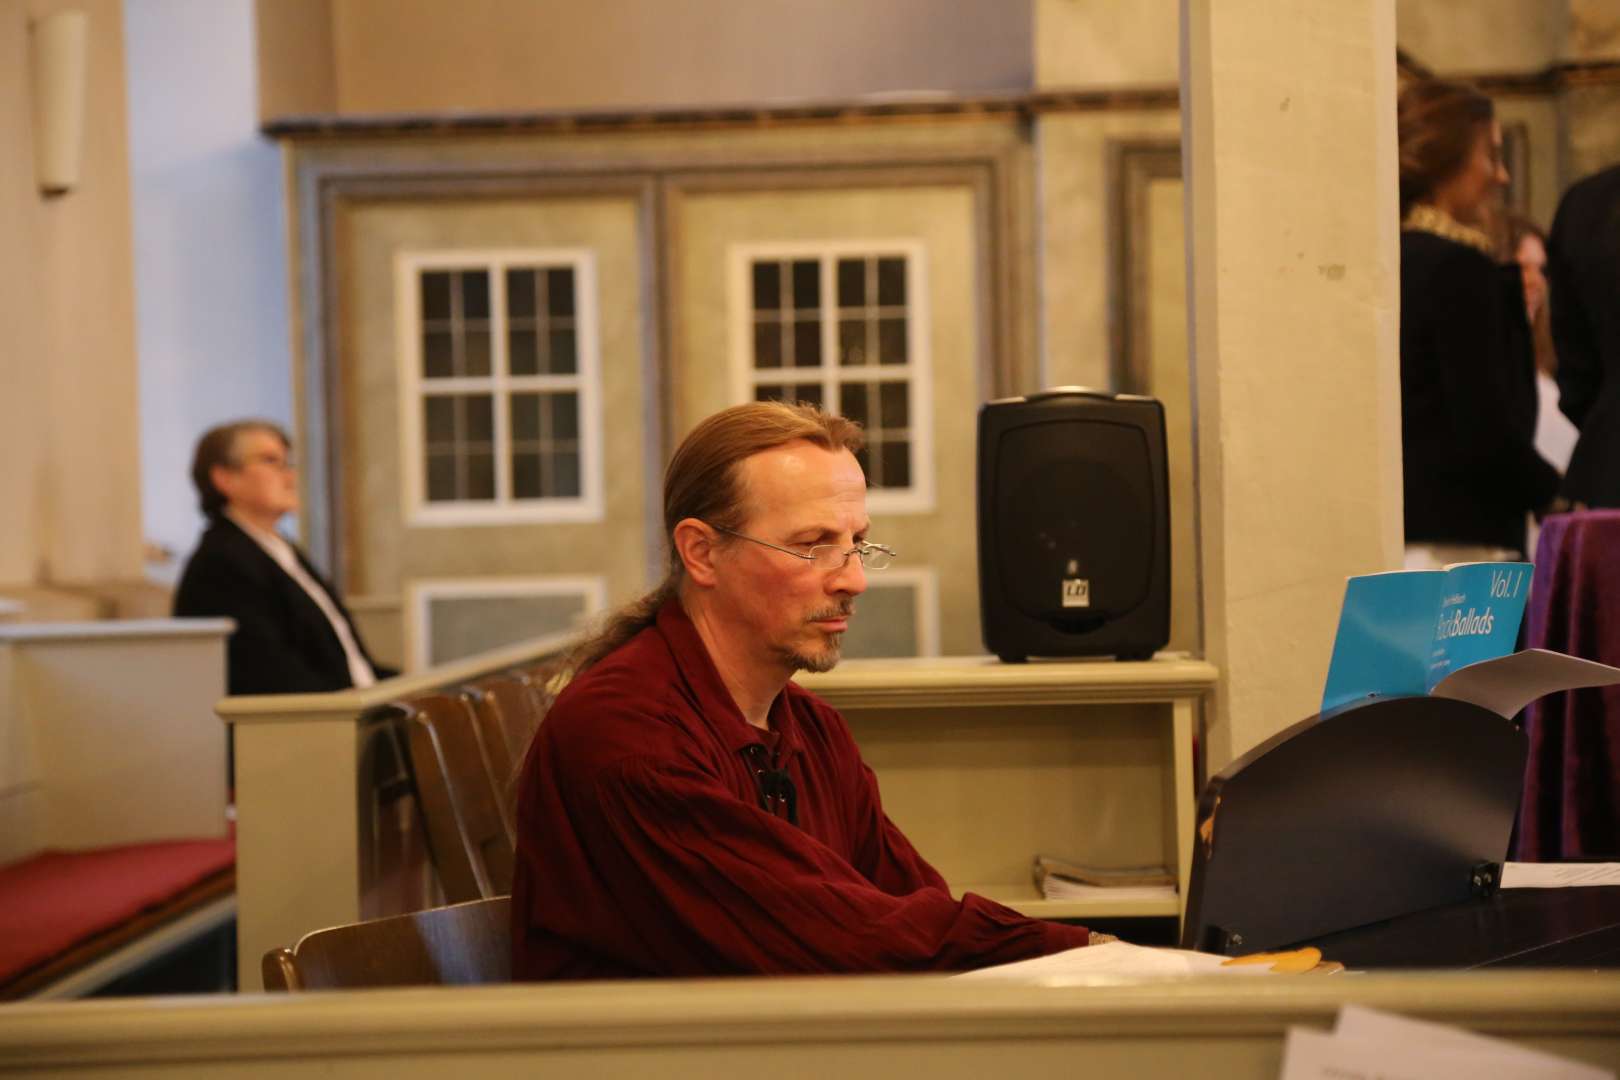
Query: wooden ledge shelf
x,y
1025,899
984,765
929,682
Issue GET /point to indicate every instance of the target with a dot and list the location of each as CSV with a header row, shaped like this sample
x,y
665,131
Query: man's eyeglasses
x,y
828,556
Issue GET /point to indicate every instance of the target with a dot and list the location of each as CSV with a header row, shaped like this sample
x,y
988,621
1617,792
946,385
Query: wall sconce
x,y
57,50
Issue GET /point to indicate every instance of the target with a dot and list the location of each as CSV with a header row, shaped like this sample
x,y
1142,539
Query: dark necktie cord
x,y
775,785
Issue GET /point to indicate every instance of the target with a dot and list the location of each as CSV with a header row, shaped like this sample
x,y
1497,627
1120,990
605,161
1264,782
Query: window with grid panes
x,y
501,384
833,330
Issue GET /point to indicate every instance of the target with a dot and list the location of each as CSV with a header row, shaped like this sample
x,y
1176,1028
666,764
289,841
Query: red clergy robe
x,y
643,848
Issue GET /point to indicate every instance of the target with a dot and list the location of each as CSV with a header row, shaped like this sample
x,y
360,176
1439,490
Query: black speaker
x,y
1074,525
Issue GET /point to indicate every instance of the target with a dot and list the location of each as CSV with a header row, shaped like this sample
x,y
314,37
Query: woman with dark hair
x,y
1468,397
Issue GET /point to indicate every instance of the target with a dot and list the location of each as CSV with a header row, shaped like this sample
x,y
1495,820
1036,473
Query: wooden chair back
x,y
509,709
466,825
396,868
446,946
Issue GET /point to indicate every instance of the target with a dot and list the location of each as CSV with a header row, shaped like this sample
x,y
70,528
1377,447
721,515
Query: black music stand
x,y
1369,812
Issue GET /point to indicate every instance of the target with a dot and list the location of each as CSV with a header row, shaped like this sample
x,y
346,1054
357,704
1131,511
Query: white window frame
x,y
586,381
421,592
924,582
917,371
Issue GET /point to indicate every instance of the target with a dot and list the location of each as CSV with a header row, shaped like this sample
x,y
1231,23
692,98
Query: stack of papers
x,y
1061,880
1368,1043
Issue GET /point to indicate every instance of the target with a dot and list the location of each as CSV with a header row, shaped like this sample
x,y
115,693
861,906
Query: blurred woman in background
x,y
1468,396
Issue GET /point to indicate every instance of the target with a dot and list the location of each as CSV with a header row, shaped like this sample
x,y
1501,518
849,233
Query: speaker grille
x,y
1073,521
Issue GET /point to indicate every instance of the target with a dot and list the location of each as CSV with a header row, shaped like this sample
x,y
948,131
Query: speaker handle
x,y
1069,391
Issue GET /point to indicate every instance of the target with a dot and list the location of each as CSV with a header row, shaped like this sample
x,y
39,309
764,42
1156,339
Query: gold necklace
x,y
1431,219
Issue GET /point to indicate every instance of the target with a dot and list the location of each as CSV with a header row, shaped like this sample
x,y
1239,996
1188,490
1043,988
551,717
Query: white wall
x,y
210,250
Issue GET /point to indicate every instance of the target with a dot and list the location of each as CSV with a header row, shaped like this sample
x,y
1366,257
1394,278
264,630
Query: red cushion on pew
x,y
55,900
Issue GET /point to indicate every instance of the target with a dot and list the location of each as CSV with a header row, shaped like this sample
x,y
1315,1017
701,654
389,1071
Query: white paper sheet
x,y
1418,1039
1532,875
1509,683
1309,1054
1116,958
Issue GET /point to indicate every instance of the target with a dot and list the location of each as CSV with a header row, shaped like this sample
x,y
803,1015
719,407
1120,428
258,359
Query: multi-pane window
x,y
837,328
499,386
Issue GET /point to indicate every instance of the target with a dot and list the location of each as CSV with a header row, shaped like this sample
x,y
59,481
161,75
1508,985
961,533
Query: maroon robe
x,y
643,847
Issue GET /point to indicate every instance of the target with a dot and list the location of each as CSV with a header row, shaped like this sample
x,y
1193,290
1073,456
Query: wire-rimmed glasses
x,y
828,556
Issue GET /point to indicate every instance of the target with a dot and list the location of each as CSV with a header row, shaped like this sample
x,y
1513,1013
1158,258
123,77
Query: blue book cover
x,y
1403,632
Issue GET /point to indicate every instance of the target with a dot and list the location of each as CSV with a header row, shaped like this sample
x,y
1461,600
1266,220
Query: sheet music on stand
x,y
1560,875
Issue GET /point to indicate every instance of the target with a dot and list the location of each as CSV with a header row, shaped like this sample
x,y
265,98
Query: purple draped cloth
x,y
1571,806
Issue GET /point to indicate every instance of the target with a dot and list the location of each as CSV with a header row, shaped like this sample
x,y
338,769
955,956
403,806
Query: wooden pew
x,y
114,844
308,767
850,1028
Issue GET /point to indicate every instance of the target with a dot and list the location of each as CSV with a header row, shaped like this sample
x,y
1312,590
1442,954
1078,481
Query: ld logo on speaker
x,y
1076,592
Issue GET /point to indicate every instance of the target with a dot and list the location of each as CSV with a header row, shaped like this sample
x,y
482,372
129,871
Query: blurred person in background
x,y
293,634
1468,399
1525,247
1584,275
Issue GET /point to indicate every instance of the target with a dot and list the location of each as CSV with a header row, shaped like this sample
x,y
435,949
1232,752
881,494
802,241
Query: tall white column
x,y
1289,150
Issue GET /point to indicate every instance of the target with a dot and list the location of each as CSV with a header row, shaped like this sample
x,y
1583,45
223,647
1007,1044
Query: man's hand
x,y
1100,939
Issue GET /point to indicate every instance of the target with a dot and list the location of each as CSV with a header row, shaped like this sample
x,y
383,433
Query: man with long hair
x,y
685,808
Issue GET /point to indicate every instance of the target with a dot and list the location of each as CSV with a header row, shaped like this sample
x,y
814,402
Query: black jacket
x,y
283,643
1583,272
1468,398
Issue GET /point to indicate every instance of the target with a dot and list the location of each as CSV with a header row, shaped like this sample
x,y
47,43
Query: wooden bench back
x,y
466,825
510,709
446,946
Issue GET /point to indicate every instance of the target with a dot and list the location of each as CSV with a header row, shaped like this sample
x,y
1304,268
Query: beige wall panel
x,y
384,551
297,75
24,366
72,478
1110,44
1461,36
108,734
427,56
1593,30
941,218
1172,384
93,476
1295,333
990,139
981,800
22,795
1074,184
1591,129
